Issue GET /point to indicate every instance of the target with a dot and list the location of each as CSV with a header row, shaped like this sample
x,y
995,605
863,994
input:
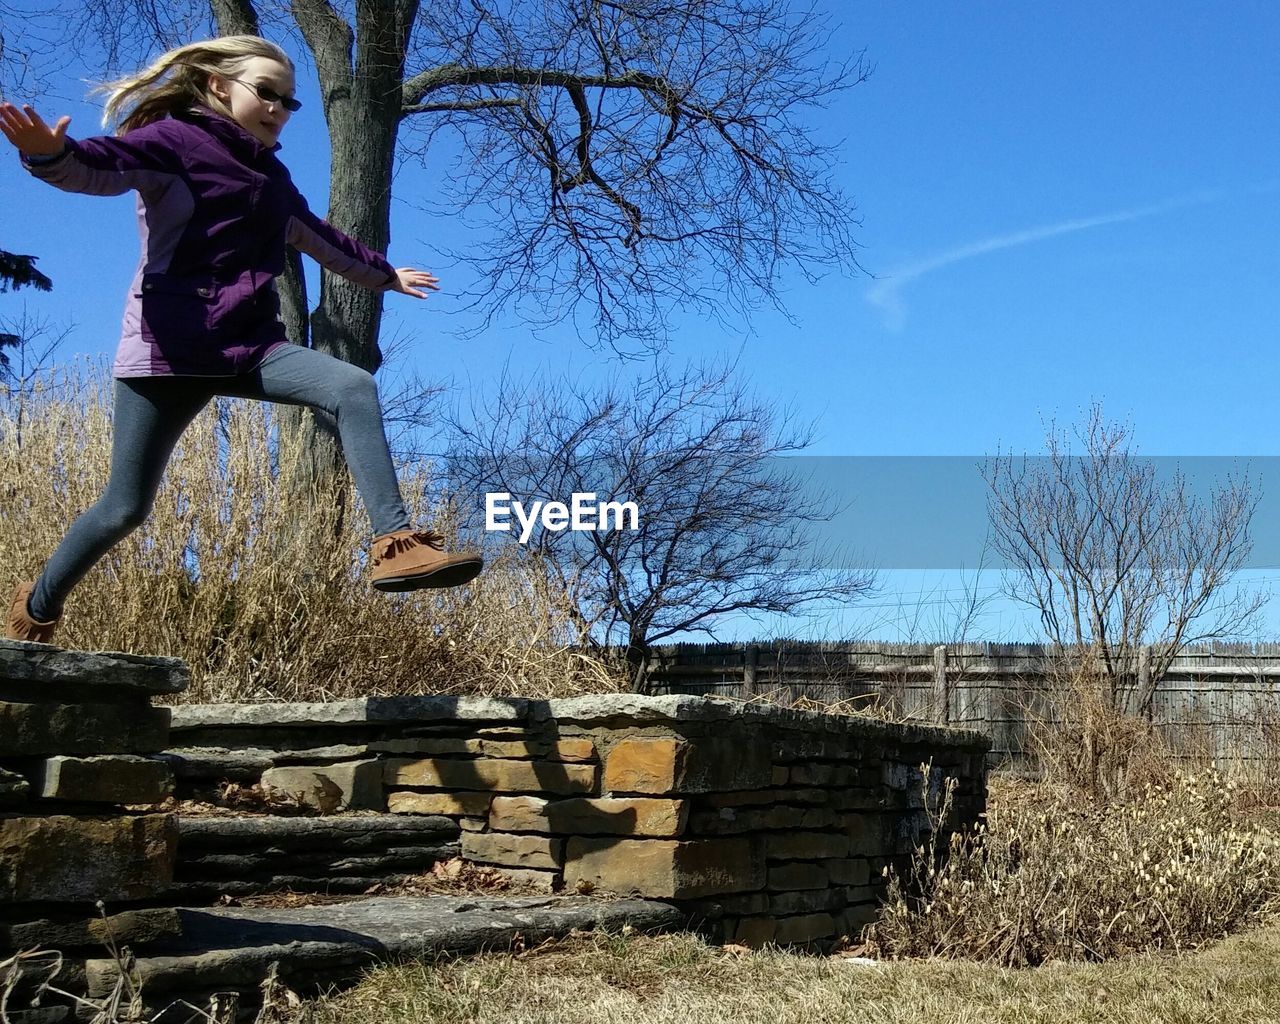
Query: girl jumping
x,y
197,137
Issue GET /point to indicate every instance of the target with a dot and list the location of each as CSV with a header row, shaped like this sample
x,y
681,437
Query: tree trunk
x,y
639,654
360,77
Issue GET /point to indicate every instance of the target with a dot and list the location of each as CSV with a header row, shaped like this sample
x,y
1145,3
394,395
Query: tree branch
x,y
461,105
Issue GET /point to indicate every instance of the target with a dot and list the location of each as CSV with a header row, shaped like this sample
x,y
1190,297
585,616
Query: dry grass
x,y
261,590
680,980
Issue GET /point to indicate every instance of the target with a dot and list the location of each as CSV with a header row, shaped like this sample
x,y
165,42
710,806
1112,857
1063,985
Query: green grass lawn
x,y
681,980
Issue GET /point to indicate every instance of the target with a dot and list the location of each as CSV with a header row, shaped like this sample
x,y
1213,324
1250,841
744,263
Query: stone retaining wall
x,y
775,824
765,824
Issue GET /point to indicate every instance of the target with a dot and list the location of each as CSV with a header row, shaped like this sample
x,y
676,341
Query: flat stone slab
x,y
314,864
592,710
128,927
248,764
369,830
233,948
44,672
358,711
616,708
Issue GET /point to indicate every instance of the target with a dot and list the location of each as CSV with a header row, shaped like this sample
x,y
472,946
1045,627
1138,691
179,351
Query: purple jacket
x,y
215,211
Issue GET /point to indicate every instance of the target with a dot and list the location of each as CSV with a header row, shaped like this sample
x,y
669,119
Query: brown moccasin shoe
x,y
413,559
21,626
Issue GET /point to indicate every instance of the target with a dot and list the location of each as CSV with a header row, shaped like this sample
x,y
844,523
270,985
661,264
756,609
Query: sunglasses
x,y
271,96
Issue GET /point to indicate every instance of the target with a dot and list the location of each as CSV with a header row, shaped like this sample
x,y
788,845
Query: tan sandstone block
x,y
495,775
636,816
452,804
574,749
665,764
349,785
63,859
527,879
665,868
433,746
640,765
512,851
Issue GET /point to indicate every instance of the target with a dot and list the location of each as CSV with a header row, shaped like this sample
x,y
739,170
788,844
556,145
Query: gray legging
x,y
152,412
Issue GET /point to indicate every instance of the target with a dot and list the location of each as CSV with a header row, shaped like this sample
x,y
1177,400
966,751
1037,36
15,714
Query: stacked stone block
x,y
78,783
332,758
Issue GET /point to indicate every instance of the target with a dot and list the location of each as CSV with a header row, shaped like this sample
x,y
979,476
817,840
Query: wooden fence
x,y
1221,702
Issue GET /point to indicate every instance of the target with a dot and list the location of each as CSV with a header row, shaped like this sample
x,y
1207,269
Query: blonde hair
x,y
179,80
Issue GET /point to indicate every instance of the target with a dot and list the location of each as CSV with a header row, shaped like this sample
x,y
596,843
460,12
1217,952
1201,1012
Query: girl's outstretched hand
x,y
26,130
409,281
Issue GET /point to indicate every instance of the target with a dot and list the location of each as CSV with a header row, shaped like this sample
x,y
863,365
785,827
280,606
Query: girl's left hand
x,y
409,281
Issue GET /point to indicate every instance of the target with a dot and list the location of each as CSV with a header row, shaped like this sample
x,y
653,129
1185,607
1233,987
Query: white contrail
x,y
886,293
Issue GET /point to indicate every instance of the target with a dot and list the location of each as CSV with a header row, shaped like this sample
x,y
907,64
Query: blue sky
x,y
1060,203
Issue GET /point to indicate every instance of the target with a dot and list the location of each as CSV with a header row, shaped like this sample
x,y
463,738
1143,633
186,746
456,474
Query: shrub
x,y
1053,876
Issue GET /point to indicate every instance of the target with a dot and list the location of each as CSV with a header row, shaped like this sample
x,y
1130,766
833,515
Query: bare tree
x,y
31,342
32,47
721,525
26,49
619,159
1116,559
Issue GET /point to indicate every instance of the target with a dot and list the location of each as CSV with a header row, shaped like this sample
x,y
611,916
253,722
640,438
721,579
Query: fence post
x,y
750,659
941,686
1144,677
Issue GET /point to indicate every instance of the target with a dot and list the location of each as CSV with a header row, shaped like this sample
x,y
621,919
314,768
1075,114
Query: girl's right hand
x,y
26,130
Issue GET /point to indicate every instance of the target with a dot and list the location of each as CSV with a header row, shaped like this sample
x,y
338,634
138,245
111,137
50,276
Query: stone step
x,y
355,832
233,948
46,673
